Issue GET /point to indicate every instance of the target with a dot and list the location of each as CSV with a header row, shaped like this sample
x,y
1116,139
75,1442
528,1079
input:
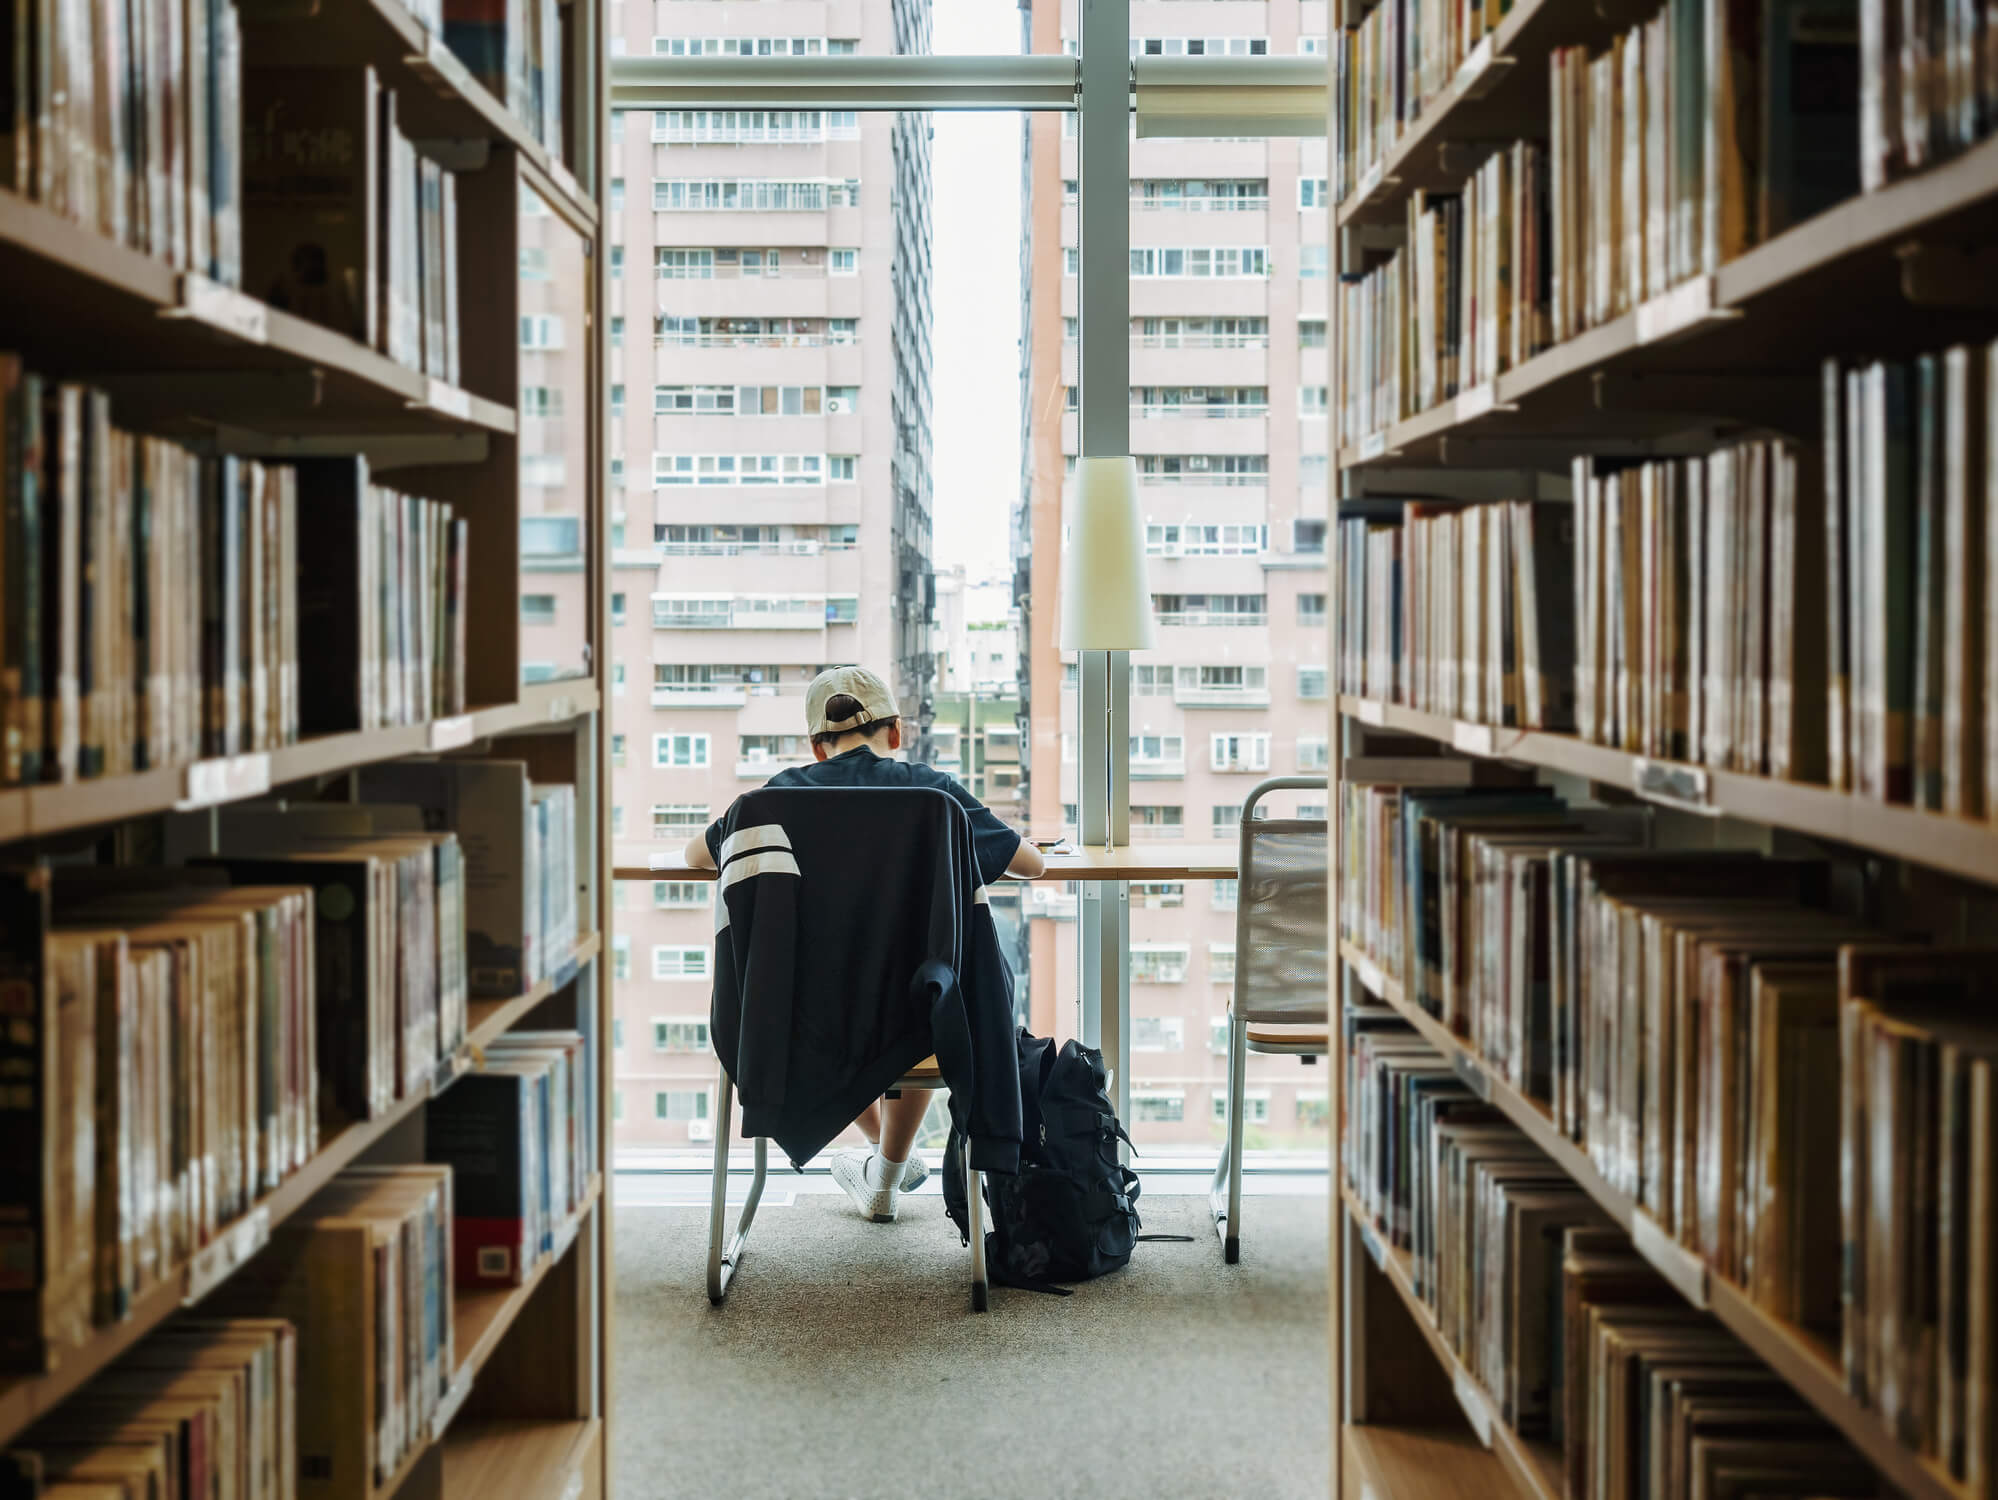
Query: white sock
x,y
883,1173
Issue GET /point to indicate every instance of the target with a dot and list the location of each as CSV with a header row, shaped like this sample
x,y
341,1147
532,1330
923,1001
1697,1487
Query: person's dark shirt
x,y
996,844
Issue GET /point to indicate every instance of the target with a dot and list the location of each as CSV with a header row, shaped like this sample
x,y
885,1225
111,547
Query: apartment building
x,y
770,399
1229,293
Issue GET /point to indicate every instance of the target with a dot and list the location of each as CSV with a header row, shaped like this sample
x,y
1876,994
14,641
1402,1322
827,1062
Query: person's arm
x,y
1026,862
697,855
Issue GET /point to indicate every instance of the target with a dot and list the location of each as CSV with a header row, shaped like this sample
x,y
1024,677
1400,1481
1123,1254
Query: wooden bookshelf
x,y
218,371
1799,1356
24,1398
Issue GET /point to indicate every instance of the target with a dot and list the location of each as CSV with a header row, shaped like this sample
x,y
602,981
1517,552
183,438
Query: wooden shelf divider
x,y
25,1398
1956,845
532,1460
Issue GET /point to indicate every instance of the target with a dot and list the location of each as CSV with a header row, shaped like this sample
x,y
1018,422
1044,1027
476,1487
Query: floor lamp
x,y
1105,603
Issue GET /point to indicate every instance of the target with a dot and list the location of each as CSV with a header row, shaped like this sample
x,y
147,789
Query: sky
x,y
975,267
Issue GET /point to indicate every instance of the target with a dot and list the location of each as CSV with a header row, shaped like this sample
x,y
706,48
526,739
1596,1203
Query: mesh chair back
x,y
1281,914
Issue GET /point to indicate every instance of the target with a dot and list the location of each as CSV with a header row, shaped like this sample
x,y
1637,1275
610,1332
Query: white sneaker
x,y
914,1175
849,1170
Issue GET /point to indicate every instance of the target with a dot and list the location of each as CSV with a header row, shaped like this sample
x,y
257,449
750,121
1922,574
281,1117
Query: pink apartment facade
x,y
1228,306
770,447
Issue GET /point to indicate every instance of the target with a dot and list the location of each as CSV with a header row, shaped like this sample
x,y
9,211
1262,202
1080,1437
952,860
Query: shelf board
x,y
1797,1356
102,308
25,1398
34,811
491,1019
1955,845
531,1460
436,95
1534,1466
1830,285
480,1316
1417,1463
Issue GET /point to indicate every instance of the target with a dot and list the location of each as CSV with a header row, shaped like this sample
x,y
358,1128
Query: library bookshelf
x,y
1673,368
192,355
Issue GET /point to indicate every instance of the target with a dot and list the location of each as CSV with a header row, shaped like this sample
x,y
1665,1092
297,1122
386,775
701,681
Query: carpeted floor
x,y
847,1363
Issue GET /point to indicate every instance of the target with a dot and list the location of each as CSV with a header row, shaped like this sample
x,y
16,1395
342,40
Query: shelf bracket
x,y
1948,275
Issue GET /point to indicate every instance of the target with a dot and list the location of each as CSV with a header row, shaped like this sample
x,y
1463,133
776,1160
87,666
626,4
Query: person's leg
x,y
869,1123
901,1119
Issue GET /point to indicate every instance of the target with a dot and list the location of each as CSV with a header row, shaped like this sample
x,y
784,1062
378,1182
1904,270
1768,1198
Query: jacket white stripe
x,y
768,862
767,836
982,896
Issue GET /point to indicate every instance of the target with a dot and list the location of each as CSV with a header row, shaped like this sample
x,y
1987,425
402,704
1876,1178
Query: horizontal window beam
x,y
1172,96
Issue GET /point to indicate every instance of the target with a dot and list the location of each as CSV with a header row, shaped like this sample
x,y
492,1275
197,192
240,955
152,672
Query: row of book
x,y
1669,151
383,601
152,595
1699,592
125,116
1462,610
162,1067
1761,1074
515,49
1572,1336
205,1407
363,1272
517,1137
1927,87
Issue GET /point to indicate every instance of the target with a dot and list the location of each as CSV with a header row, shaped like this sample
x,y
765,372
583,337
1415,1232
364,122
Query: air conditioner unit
x,y
838,406
700,1130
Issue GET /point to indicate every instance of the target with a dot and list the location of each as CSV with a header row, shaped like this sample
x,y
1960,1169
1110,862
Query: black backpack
x,y
1072,1211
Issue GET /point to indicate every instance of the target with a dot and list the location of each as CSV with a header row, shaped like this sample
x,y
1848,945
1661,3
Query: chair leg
x,y
974,1190
725,1259
1228,1214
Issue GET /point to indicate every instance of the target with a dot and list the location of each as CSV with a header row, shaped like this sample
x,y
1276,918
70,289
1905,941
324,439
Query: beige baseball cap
x,y
876,701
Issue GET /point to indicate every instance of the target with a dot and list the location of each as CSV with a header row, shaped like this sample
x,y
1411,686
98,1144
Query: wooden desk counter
x,y
1163,860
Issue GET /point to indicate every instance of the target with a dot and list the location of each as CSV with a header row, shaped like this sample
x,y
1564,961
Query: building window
x,y
1149,751
1221,894
537,609
533,263
1071,261
1159,963
1238,752
1312,262
748,194
842,399
621,957
670,961
842,330
540,401
1151,680
617,195
1307,537
842,609
1200,46
843,262
617,751
1313,752
1314,1108
617,1033
678,820
1218,262
839,468
688,750
1217,1036
1311,333
682,1105
541,331
1157,1034
1311,607
679,1034
617,262
679,894
1311,193
617,609
737,468
617,332
1158,1106
1311,682
1159,821
617,1095
1311,402
617,821
617,679
1221,963
1158,894
1255,1107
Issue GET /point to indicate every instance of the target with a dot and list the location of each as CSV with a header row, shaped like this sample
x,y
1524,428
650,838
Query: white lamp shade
x,y
1106,604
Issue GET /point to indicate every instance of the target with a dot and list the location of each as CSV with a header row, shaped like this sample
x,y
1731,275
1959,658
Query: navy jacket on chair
x,y
852,940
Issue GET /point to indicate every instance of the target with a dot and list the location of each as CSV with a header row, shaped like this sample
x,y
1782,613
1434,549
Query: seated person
x,y
856,728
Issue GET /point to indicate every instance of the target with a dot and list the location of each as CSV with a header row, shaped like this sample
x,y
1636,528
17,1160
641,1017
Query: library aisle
x,y
839,1328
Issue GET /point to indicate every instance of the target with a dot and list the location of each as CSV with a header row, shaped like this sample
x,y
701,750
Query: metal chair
x,y
725,1250
1281,934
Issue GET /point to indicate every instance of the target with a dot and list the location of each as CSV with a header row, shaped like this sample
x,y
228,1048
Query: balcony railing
x,y
1221,696
676,833
758,767
1209,617
1190,409
790,135
738,273
748,341
812,617
1198,341
744,549
1158,770
1236,481
1201,205
701,695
